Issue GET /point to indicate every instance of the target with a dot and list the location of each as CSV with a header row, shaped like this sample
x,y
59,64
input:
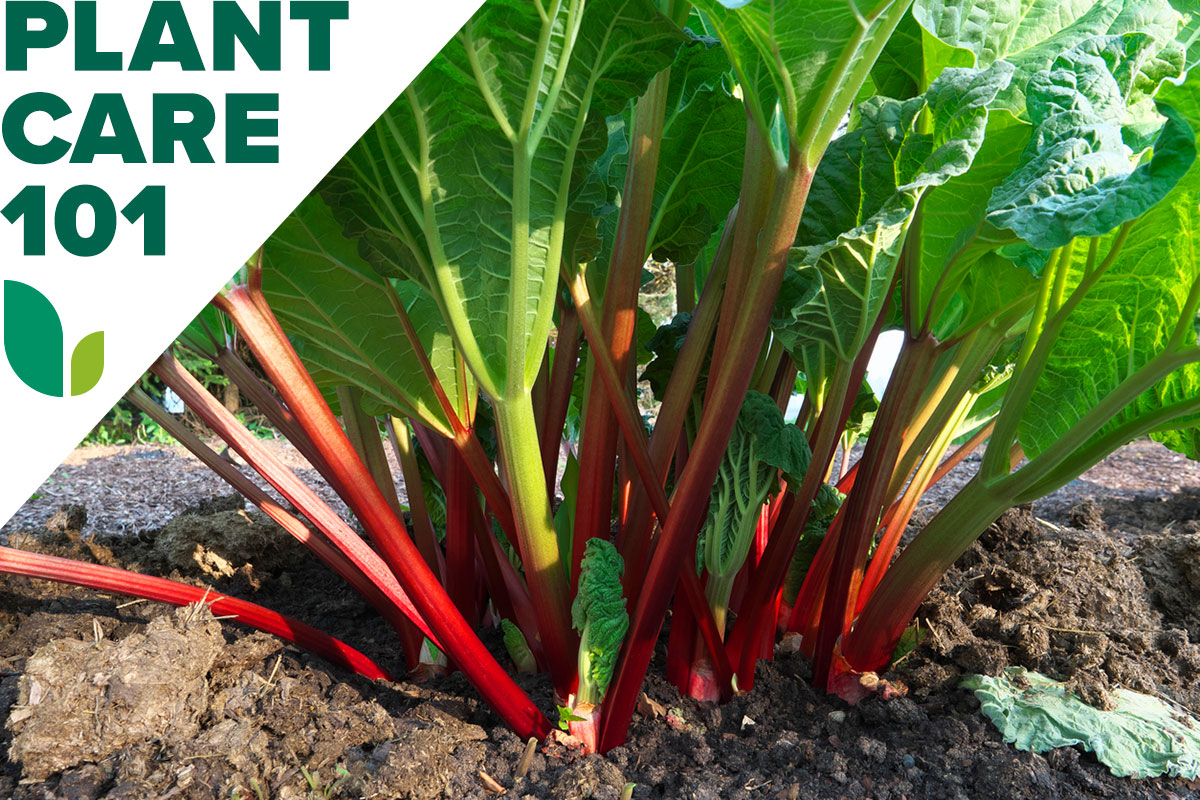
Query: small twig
x,y
490,784
269,682
97,631
526,758
133,602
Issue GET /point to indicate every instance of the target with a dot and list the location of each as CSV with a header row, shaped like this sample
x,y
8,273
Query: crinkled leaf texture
x,y
1142,737
598,612
1077,176
762,445
464,183
1030,34
862,201
336,310
1129,315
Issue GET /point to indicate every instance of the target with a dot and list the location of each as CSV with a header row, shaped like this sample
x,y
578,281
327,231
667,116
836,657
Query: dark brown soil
x,y
143,701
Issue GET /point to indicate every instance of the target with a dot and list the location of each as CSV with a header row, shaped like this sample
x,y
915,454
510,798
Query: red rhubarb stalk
x,y
250,313
132,584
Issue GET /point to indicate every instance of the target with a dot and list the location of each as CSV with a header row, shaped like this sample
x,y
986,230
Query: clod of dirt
x,y
1171,568
589,778
216,504
1087,516
82,701
430,751
221,544
1079,605
68,519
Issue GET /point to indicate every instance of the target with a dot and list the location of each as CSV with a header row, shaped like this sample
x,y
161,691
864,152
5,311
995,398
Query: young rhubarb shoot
x,y
518,648
599,615
762,446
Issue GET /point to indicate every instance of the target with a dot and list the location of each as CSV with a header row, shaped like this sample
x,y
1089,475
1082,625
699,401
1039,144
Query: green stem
x,y
996,461
1061,458
418,508
363,430
521,460
870,643
852,70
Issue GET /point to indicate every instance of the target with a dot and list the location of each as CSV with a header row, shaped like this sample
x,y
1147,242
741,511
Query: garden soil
x,y
107,698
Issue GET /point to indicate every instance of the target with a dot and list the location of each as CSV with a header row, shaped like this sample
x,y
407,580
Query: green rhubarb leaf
x,y
911,60
1130,314
1031,34
335,307
33,338
209,325
795,64
1077,176
1143,737
700,160
762,446
862,201
599,615
465,181
954,235
862,413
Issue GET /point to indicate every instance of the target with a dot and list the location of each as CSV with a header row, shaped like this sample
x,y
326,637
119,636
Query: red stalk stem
x,y
562,376
865,503
461,579
598,443
325,551
635,538
132,584
266,402
338,533
898,516
635,438
277,356
745,640
418,508
730,379
464,438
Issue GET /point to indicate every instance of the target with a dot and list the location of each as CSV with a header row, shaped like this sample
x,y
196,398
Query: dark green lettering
x,y
166,16
320,14
191,133
92,141
13,127
87,57
19,39
264,44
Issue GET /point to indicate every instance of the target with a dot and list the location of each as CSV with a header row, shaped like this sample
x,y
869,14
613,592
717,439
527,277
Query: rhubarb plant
x,y
1011,186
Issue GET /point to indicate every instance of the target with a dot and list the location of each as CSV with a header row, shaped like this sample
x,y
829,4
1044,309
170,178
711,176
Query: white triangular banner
x,y
216,214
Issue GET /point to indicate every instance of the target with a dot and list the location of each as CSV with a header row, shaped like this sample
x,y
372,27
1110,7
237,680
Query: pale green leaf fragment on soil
x,y
1143,737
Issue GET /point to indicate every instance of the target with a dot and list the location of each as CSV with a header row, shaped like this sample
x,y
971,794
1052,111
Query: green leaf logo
x,y
33,343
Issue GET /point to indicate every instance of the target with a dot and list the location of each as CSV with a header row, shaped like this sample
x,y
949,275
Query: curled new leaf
x,y
599,615
762,445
